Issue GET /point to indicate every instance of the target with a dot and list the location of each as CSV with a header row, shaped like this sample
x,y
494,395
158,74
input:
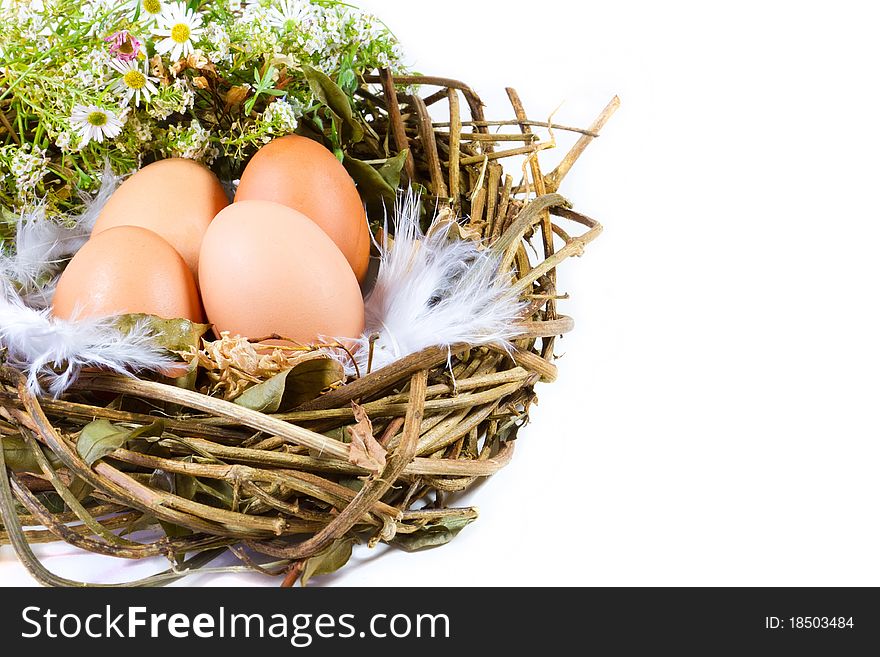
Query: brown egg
x,y
127,270
303,175
176,199
267,269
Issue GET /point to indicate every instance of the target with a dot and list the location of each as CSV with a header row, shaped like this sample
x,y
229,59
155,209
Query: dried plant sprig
x,y
233,364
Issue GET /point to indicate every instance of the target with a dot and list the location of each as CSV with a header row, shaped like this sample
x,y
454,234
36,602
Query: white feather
x,y
42,244
48,348
433,290
86,220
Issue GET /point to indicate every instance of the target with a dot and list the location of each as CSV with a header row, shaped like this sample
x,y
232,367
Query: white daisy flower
x,y
286,15
134,81
93,123
150,10
180,27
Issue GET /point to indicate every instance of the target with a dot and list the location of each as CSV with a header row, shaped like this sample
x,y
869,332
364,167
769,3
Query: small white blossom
x,y
94,69
187,95
176,99
62,141
219,44
191,142
28,165
142,129
260,37
282,117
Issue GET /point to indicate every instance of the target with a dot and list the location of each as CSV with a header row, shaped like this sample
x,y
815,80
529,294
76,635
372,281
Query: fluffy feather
x,y
43,243
55,350
434,290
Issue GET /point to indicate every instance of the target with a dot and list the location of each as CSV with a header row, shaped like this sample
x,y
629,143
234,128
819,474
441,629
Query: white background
x,y
715,422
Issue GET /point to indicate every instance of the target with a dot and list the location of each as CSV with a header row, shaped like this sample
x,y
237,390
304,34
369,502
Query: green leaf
x,y
220,491
175,484
293,387
19,456
339,434
372,186
174,531
175,335
433,535
171,334
329,93
377,187
392,169
98,439
138,524
348,81
265,397
7,216
52,501
101,437
80,489
353,483
187,381
328,561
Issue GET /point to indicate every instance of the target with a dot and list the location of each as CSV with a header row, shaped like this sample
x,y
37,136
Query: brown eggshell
x,y
125,270
303,175
267,269
175,198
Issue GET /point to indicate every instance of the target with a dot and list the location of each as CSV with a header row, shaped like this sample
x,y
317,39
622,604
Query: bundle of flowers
x,y
263,293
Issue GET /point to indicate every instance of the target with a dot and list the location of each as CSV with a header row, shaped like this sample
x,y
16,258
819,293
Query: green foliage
x,y
175,335
20,457
100,438
328,561
265,85
293,387
433,535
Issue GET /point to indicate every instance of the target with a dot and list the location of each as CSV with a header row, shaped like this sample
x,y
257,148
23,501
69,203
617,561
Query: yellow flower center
x,y
152,6
97,119
180,33
134,80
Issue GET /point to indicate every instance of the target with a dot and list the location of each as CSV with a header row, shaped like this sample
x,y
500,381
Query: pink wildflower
x,y
124,45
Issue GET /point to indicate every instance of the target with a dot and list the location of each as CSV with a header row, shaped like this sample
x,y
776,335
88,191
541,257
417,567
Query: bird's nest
x,y
190,476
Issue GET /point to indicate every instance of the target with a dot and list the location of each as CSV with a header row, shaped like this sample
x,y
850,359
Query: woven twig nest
x,y
284,485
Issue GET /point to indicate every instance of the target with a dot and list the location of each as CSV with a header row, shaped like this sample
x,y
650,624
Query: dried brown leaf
x,y
157,68
197,61
178,67
365,450
236,96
